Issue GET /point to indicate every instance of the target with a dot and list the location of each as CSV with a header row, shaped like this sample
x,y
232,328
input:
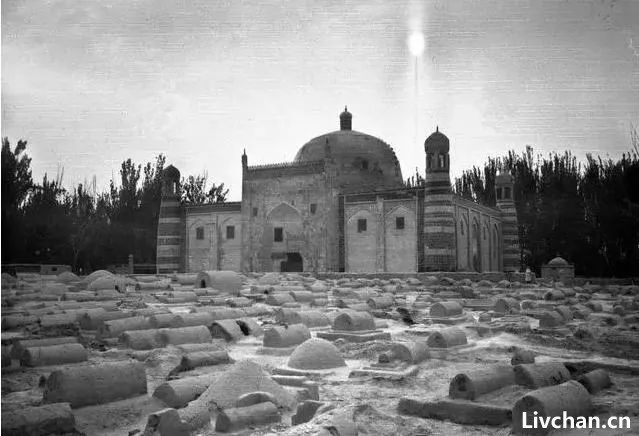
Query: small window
x,y
199,233
442,161
255,211
361,225
461,227
278,234
364,164
230,232
506,193
399,223
429,160
313,208
498,193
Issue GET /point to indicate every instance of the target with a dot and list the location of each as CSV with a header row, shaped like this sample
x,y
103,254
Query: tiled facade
x,y
341,206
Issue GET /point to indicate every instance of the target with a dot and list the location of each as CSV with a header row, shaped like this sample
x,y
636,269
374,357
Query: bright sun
x,y
416,43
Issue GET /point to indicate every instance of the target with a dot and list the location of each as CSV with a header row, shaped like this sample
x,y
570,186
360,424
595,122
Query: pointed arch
x,y
284,213
361,242
400,239
475,246
496,249
462,244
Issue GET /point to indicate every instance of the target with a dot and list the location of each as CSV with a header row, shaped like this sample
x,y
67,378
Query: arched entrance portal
x,y
293,263
475,247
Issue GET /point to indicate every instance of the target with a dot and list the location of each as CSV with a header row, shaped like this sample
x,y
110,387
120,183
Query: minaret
x,y
504,193
439,216
170,242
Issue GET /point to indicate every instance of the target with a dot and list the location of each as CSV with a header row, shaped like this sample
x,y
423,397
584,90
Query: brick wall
x,y
477,251
439,224
510,236
400,244
169,253
271,199
214,251
361,246
382,246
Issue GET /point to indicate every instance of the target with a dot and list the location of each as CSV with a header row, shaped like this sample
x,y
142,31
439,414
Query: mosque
x,y
343,206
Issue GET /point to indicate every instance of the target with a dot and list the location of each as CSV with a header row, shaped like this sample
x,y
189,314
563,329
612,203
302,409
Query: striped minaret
x,y
170,225
504,192
439,215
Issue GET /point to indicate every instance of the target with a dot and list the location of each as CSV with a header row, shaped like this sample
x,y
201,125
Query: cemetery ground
x,y
299,354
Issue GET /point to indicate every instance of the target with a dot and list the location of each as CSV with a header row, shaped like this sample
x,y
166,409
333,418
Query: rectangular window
x,y
313,208
498,193
278,234
255,211
230,232
361,225
199,233
399,223
506,193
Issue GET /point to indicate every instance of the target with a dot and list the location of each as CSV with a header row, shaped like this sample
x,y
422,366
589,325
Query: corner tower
x,y
439,215
170,242
504,193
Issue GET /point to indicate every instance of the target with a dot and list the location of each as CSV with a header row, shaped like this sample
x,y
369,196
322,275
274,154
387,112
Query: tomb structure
x,y
341,205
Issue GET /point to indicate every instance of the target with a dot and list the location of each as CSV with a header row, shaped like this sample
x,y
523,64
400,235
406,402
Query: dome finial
x,y
437,128
345,119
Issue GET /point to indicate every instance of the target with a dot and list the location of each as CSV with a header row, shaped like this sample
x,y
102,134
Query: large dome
x,y
363,161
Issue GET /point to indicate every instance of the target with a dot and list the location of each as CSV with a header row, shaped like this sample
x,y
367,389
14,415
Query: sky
x,y
91,83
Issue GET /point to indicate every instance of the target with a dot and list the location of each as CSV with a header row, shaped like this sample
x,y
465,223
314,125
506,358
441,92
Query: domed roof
x,y
171,172
363,161
316,353
504,178
437,142
558,261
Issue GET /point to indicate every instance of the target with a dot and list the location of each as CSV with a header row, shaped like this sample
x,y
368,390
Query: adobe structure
x,y
341,206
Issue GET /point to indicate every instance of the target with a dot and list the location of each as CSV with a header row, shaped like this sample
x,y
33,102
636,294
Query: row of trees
x,y
587,212
45,223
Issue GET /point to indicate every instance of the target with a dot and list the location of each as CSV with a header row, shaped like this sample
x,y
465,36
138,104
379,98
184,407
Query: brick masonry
x,y
510,248
318,205
169,255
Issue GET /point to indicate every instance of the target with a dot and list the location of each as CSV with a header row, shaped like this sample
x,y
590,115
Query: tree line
x,y
44,223
586,212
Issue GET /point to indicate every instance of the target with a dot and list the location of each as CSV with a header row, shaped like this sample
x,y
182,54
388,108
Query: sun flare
x,y
416,43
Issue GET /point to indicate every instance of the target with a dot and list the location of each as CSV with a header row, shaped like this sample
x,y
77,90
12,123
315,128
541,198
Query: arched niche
x,y
361,242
